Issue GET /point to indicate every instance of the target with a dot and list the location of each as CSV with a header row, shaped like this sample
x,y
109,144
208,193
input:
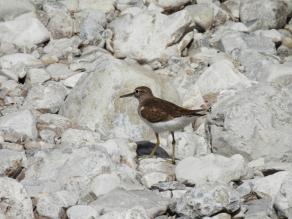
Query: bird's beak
x,y
127,95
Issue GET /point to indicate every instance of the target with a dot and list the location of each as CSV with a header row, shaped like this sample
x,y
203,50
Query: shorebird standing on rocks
x,y
162,115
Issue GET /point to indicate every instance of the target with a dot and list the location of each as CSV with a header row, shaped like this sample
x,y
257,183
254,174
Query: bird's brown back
x,y
158,110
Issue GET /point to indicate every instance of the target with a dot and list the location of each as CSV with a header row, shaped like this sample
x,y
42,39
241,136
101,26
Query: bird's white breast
x,y
171,125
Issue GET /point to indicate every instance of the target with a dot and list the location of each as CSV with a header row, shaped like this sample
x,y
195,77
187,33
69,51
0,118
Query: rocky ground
x,y
70,148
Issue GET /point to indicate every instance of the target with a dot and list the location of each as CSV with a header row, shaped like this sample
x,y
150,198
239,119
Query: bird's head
x,y
140,93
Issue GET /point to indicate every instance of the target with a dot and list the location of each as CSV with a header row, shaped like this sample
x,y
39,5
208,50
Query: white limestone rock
x,y
169,5
71,81
11,160
24,31
46,98
138,36
79,137
22,122
82,211
59,71
15,201
211,167
11,9
202,15
37,76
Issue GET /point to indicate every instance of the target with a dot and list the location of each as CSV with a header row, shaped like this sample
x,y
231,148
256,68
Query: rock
x,y
48,136
208,199
69,169
137,212
51,205
107,113
222,216
11,162
260,209
11,65
10,10
211,167
155,170
283,200
273,34
37,76
169,5
58,19
273,14
280,74
62,48
121,150
269,186
233,6
93,26
15,201
100,5
54,122
187,144
18,31
124,4
249,119
105,183
202,15
59,71
72,80
220,76
22,122
46,98
80,137
171,185
144,28
81,211
120,200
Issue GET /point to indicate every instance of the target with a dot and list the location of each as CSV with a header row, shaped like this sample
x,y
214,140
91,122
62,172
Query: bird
x,y
162,116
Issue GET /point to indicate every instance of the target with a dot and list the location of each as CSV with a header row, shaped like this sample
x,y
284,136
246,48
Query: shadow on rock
x,y
145,148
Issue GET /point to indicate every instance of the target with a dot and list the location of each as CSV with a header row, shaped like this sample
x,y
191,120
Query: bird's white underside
x,y
171,125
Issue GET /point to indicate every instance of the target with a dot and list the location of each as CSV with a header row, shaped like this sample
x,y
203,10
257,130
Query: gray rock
x,y
62,48
58,19
13,65
249,119
260,209
80,137
59,71
73,80
202,15
70,169
18,31
46,98
124,4
48,135
105,183
256,15
137,212
283,200
120,200
208,199
155,170
22,122
51,205
144,28
81,211
10,10
107,113
104,6
211,167
15,201
233,6
169,5
93,26
11,162
37,76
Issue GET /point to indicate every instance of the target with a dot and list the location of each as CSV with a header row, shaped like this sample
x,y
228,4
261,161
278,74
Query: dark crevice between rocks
x,y
145,148
268,172
15,172
22,80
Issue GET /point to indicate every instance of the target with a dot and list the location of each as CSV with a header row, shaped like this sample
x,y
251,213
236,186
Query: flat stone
x,y
80,137
81,211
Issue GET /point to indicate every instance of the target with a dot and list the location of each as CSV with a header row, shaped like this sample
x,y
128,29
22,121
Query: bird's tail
x,y
200,112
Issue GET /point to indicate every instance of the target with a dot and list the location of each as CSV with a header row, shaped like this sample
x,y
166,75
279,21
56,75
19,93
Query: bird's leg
x,y
173,148
156,146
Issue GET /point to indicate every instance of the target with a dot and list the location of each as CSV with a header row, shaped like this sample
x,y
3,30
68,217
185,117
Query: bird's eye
x,y
136,91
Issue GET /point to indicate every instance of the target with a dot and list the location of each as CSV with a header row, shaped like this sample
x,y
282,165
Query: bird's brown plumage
x,y
158,110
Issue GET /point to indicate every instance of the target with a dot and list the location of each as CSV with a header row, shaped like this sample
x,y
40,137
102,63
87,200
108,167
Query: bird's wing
x,y
158,110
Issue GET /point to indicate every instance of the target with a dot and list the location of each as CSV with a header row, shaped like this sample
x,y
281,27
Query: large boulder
x,y
211,167
254,122
95,103
10,10
139,35
15,203
271,14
